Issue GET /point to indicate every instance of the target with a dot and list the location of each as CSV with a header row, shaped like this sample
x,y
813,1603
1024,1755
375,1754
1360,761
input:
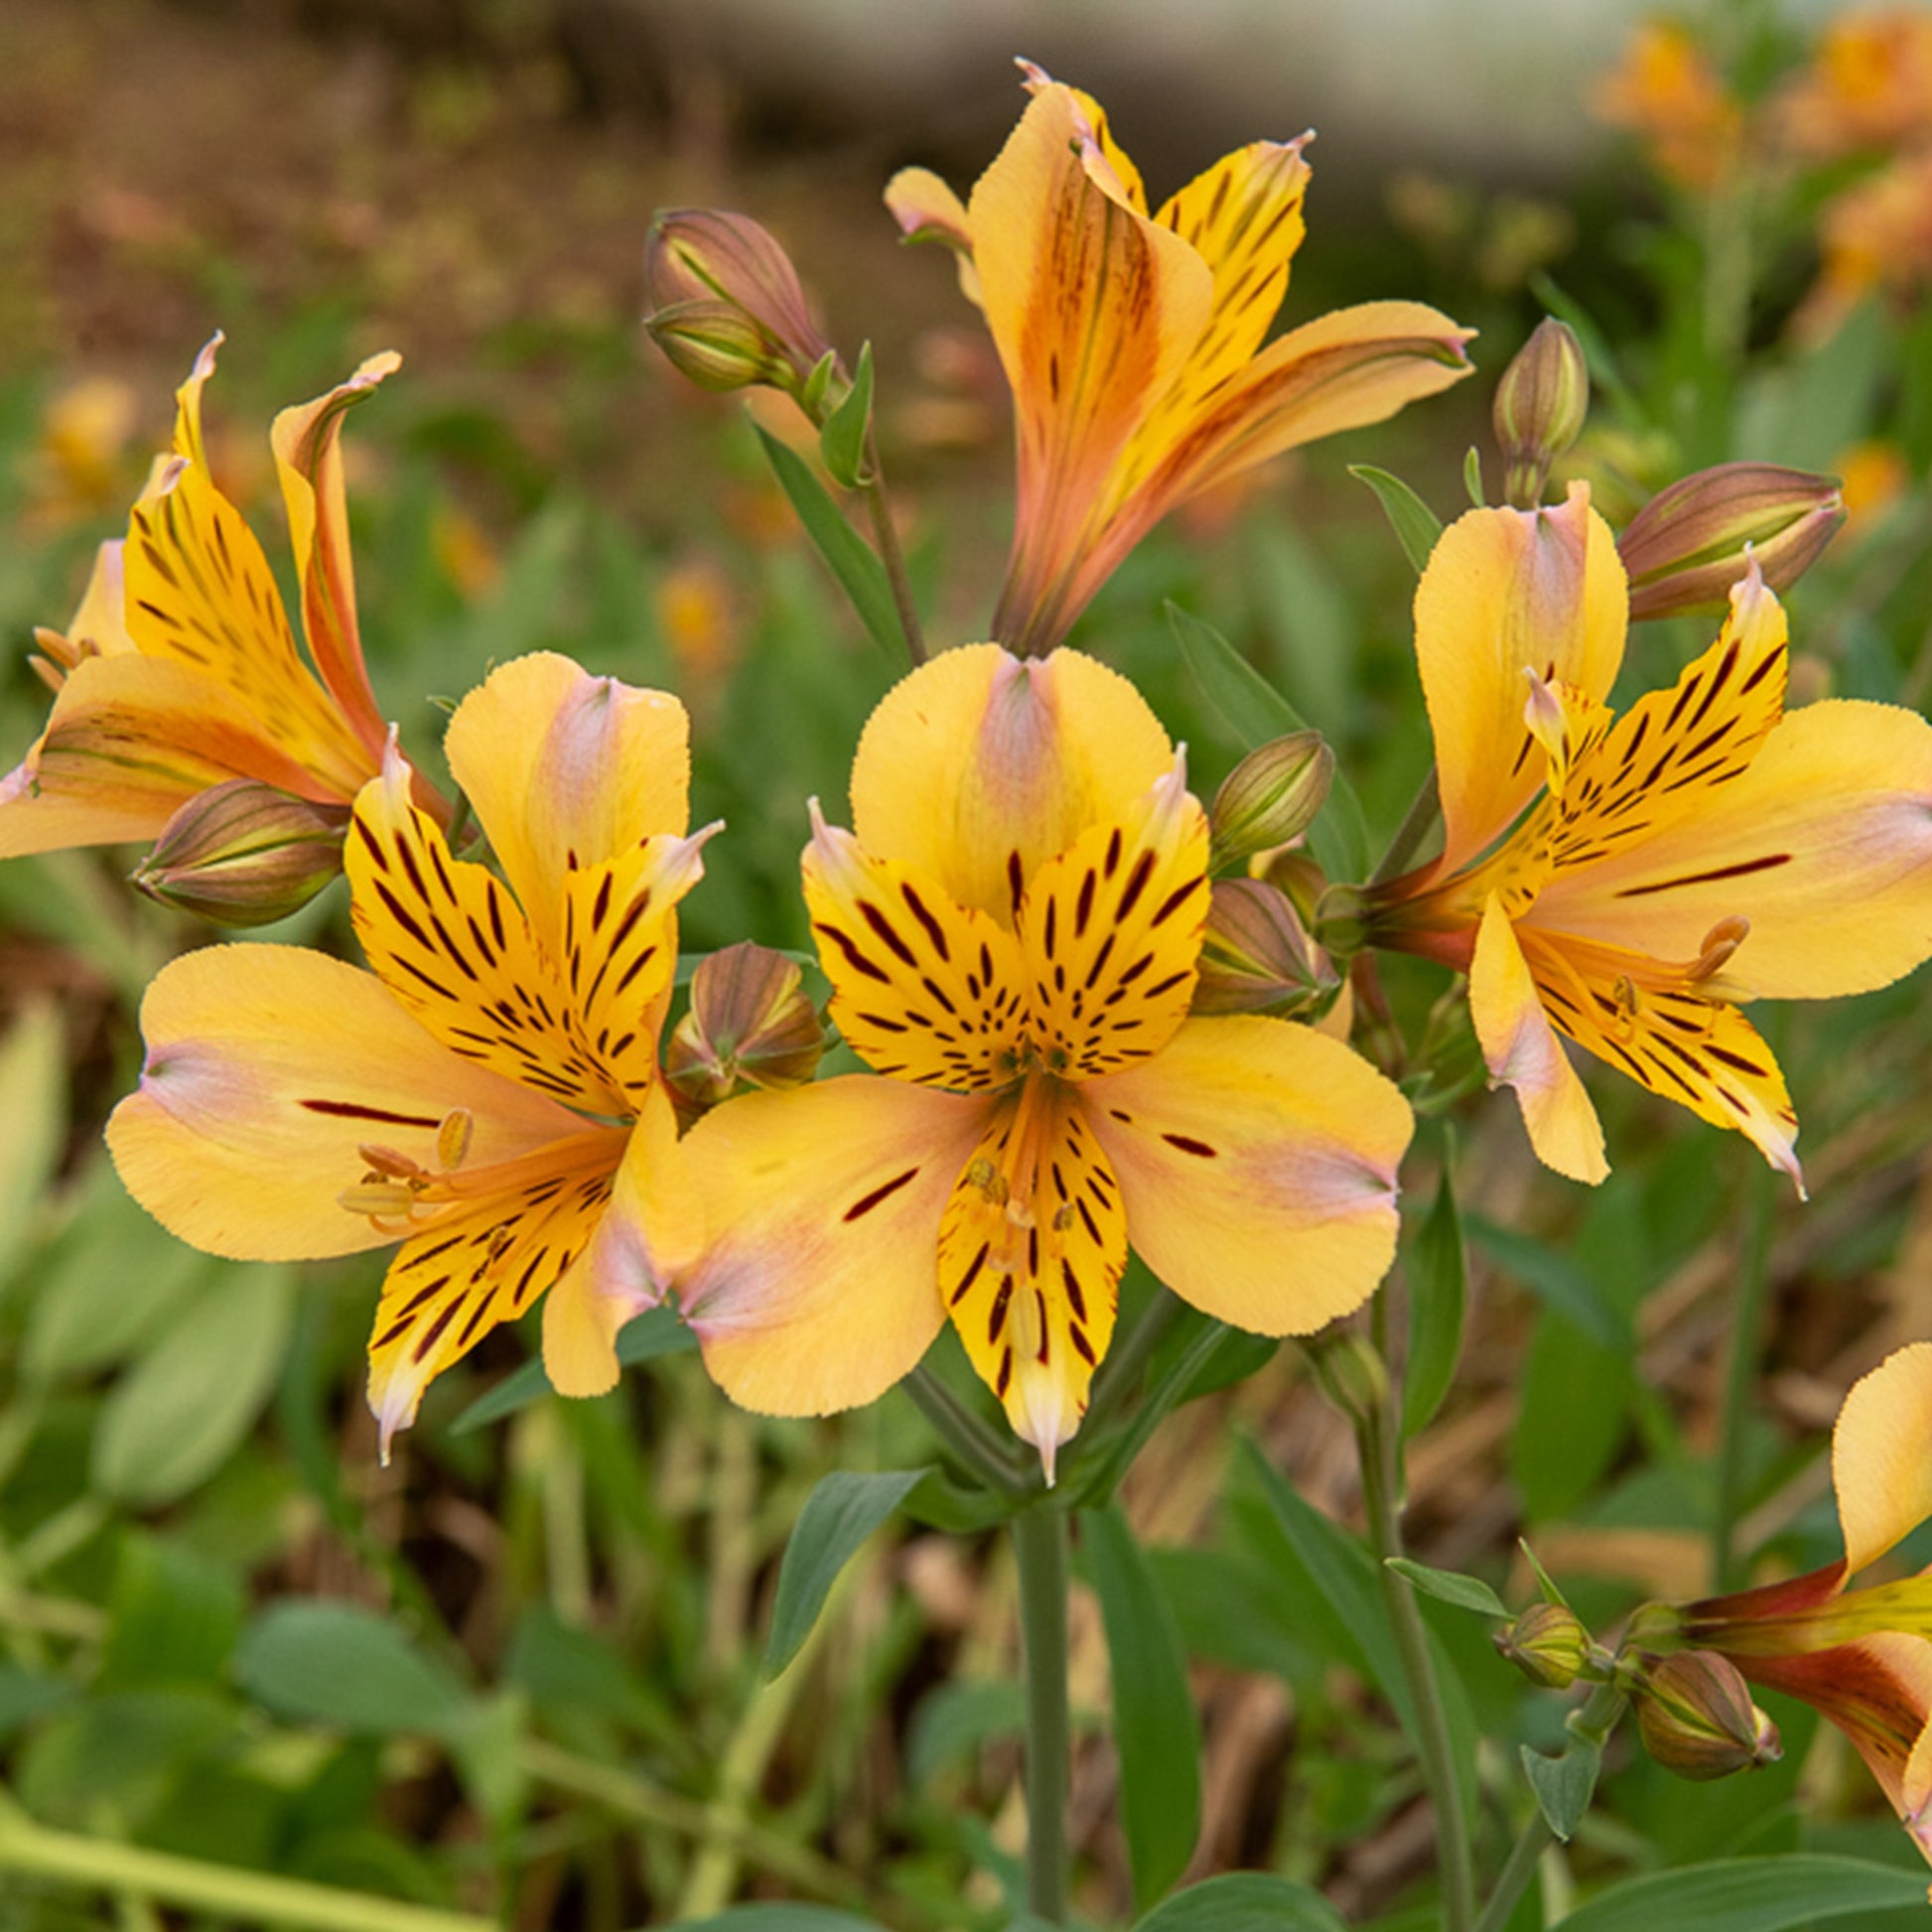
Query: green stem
x,y
1116,1456
965,1434
1417,823
1039,1547
1525,1855
1741,1372
222,1891
890,554
1120,1367
1378,1439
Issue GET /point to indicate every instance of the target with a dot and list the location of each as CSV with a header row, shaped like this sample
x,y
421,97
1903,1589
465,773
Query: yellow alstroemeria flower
x,y
1012,933
1860,1657
179,671
1627,882
1133,340
489,1096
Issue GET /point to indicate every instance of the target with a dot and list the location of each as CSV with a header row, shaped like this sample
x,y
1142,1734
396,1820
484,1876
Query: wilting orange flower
x,y
1861,1657
1628,881
489,1095
179,671
1668,94
1012,933
1133,340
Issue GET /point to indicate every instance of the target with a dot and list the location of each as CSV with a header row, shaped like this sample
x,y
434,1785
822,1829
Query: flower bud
x,y
1271,798
1698,1719
723,303
244,854
1686,547
750,1023
1255,957
1348,1371
1540,407
1548,1645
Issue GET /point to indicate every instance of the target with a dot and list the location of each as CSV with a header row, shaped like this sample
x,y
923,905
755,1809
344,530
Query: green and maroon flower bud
x,y
1548,1645
1255,956
750,1025
1694,539
1541,405
724,305
1697,1716
1348,1371
244,854
1269,797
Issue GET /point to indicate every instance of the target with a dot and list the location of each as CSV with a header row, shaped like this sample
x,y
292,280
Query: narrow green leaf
x,y
1564,1785
1244,1901
1156,1728
657,1331
842,442
1472,476
180,1411
1545,1581
1451,1586
777,1918
1417,528
1597,353
844,1510
1751,1896
175,1615
1555,1280
1253,713
850,558
1438,1277
33,1120
339,1664
957,1718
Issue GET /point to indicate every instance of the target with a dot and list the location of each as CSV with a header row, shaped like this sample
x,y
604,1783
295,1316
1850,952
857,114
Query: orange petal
x,y
820,1285
1521,1050
1509,591
980,766
269,1070
308,456
1256,1160
1882,1455
926,210
567,771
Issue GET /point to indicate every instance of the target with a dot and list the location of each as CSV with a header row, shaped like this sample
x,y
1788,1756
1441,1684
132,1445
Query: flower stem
x,y
1122,1365
1741,1372
890,553
1425,809
1378,1441
1525,1855
966,1434
1039,1547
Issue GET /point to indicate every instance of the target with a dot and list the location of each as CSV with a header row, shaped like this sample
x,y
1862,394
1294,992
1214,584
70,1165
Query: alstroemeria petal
x,y
926,210
819,1287
269,1069
1507,591
1111,930
923,989
1882,1455
481,1265
1031,1256
130,739
1522,1051
567,771
1825,844
100,622
1093,308
199,593
653,1230
1256,1160
979,768
1649,1020
307,440
455,948
1108,163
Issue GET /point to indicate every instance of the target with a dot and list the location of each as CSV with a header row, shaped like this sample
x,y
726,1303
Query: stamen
x,y
453,1137
1720,943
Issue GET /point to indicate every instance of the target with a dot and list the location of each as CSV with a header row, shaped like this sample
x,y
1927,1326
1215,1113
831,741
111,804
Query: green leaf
x,y
1472,476
1749,1895
33,1120
943,1504
851,559
180,1412
175,1616
1253,713
1244,1901
339,1664
657,1331
842,442
1451,1586
959,1717
1156,1728
777,1918
1564,1785
1438,1275
1417,528
1555,1280
840,1513
1600,358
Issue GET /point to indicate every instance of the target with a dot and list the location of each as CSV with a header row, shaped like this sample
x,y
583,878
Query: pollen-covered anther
x,y
453,1136
1623,1025
1720,943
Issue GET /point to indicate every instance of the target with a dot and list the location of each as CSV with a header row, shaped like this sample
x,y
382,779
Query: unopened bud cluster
x,y
1697,1716
1541,406
244,854
750,1025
